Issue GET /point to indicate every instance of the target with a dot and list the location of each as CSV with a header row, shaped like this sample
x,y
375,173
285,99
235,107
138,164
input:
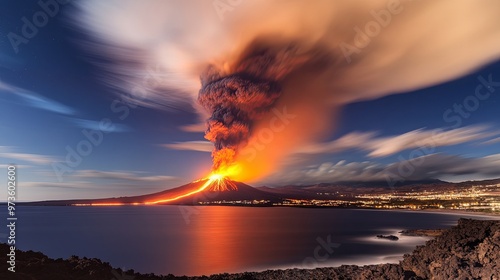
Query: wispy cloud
x,y
19,166
61,185
492,141
426,167
197,127
199,146
97,184
8,153
38,190
428,138
354,140
35,100
96,125
122,175
389,145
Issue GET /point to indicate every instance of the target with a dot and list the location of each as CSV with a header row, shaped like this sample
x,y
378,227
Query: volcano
x,y
207,190
215,189
226,190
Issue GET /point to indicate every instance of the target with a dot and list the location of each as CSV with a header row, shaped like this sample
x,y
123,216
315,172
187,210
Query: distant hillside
x,y
241,191
351,189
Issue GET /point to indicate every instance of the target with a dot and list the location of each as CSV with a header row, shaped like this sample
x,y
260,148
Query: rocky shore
x,y
470,250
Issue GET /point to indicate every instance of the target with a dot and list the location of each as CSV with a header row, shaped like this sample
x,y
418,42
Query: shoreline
x,y
439,211
495,215
435,259
370,258
457,212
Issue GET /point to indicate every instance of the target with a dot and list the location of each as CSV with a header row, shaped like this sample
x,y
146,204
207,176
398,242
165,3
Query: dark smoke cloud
x,y
236,100
289,56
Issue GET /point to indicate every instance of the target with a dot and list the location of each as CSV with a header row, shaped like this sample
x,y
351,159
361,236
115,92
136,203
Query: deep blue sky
x,y
50,91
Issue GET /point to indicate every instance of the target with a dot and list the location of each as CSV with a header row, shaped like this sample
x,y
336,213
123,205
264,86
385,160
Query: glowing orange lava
x,y
207,183
107,204
221,183
217,181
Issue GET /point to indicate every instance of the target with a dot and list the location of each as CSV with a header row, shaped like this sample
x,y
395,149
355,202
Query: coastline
x,y
436,259
459,212
495,215
428,210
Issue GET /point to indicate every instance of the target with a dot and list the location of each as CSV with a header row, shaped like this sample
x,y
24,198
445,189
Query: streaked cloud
x,y
197,127
153,33
18,166
389,145
10,154
433,166
401,58
353,140
427,138
61,185
43,190
35,100
122,175
199,146
492,141
96,125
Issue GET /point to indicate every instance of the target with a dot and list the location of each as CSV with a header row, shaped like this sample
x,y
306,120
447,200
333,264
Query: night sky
x,y
54,94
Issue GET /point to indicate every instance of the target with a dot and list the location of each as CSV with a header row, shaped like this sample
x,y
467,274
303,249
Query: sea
x,y
203,240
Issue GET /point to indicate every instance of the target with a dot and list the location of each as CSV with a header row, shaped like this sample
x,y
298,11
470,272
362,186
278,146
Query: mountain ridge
x,y
270,194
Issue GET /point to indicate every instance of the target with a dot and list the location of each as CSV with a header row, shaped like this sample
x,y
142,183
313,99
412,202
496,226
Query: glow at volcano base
x,y
215,182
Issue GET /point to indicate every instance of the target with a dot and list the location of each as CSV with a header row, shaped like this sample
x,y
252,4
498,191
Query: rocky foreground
x,y
470,250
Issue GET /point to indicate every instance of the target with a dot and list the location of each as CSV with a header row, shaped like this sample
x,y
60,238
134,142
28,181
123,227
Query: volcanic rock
x,y
470,250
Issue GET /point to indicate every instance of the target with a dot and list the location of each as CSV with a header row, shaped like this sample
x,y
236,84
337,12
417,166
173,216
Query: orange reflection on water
x,y
238,239
216,246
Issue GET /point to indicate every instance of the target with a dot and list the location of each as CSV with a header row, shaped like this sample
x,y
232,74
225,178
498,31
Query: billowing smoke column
x,y
274,73
236,100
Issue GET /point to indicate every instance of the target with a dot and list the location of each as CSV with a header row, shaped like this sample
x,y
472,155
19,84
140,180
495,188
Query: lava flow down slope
x,y
210,190
215,188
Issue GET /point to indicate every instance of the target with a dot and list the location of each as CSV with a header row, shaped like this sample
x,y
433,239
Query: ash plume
x,y
262,59
237,99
